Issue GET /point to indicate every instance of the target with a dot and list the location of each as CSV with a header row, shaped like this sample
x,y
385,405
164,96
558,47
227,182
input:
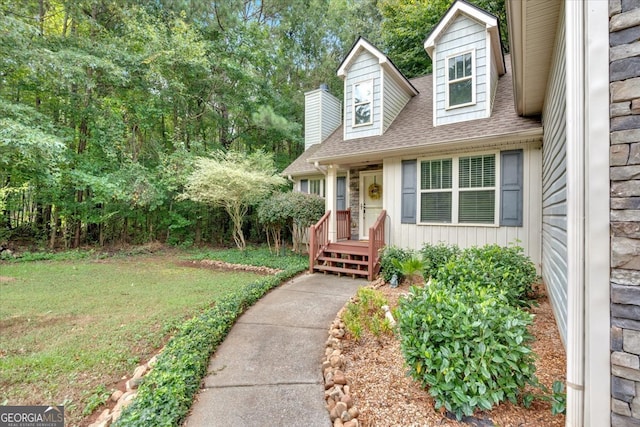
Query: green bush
x,y
435,256
166,393
493,266
411,269
365,313
467,344
389,257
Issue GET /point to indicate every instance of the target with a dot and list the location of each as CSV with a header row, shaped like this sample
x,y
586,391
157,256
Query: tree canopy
x,y
233,181
106,106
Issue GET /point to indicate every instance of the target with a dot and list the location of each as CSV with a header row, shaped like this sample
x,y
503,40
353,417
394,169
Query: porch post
x,y
330,197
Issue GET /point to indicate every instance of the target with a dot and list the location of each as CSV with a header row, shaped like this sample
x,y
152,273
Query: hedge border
x,y
166,394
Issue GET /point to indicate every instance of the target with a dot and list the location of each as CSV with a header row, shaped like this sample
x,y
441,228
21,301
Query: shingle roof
x,y
413,128
300,166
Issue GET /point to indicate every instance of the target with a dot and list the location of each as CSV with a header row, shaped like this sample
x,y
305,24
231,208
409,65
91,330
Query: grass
x,y
67,328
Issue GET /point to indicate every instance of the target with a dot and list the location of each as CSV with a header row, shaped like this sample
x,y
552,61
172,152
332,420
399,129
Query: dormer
x,y
466,52
375,91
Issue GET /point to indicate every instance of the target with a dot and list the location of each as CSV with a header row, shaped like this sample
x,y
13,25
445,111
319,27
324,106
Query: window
x,y
458,190
436,190
477,197
315,187
312,186
363,103
460,90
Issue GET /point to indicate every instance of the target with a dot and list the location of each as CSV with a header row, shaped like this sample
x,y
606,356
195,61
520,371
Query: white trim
x,y
488,67
575,213
353,103
456,190
330,200
381,130
382,60
353,53
597,277
458,7
531,136
363,232
344,127
434,80
447,82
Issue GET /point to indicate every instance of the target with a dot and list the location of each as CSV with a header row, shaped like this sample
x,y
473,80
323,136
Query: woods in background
x,y
106,106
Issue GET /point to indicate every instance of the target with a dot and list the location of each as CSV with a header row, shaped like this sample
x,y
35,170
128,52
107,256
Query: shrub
x,y
435,256
365,313
467,344
166,393
411,269
493,266
387,265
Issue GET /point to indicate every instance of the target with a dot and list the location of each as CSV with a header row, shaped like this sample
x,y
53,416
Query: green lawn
x,y
69,330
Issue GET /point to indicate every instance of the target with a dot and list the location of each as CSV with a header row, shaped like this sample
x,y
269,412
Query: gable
x,y
364,70
464,35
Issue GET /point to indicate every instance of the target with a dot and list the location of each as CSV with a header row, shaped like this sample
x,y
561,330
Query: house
x,y
445,157
541,146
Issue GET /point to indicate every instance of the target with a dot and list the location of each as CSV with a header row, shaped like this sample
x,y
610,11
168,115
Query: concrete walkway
x,y
267,372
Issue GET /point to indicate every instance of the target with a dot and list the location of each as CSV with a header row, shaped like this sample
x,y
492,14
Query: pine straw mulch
x,y
386,396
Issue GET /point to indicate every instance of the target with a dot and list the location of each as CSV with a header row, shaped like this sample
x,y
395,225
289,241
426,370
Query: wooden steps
x,y
348,258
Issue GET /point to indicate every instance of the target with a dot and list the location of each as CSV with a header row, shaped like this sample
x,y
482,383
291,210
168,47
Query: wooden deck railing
x,y
376,242
343,223
318,238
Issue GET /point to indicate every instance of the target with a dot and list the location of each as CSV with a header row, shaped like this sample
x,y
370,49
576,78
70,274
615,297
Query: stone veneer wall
x,y
624,158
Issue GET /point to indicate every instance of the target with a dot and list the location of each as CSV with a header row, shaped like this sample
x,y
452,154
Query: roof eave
x,y
529,135
532,50
460,6
383,60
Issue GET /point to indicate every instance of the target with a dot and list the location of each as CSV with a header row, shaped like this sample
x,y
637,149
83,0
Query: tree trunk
x,y
54,227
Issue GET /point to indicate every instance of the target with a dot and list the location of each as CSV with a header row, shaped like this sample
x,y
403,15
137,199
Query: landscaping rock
x,y
348,400
152,362
346,416
355,413
139,372
339,402
116,395
335,361
339,378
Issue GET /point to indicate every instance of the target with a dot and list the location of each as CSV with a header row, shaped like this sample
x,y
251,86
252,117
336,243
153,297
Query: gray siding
x,y
311,119
331,114
494,83
414,236
364,67
554,186
321,116
463,34
394,99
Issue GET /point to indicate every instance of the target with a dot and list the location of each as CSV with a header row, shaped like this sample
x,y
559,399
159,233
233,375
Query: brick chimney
x,y
322,115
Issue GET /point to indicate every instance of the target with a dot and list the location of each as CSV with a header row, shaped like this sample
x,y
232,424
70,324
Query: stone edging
x,y
337,394
124,399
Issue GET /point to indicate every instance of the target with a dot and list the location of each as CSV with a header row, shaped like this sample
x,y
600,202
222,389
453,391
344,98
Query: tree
x,y
407,23
234,181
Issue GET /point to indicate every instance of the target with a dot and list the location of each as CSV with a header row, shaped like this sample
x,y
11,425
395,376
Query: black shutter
x,y
409,193
511,184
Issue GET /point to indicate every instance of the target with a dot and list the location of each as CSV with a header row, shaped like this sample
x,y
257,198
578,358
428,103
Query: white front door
x,y
370,200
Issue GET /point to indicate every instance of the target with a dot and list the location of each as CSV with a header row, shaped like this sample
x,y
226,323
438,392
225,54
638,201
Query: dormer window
x,y
363,103
460,80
